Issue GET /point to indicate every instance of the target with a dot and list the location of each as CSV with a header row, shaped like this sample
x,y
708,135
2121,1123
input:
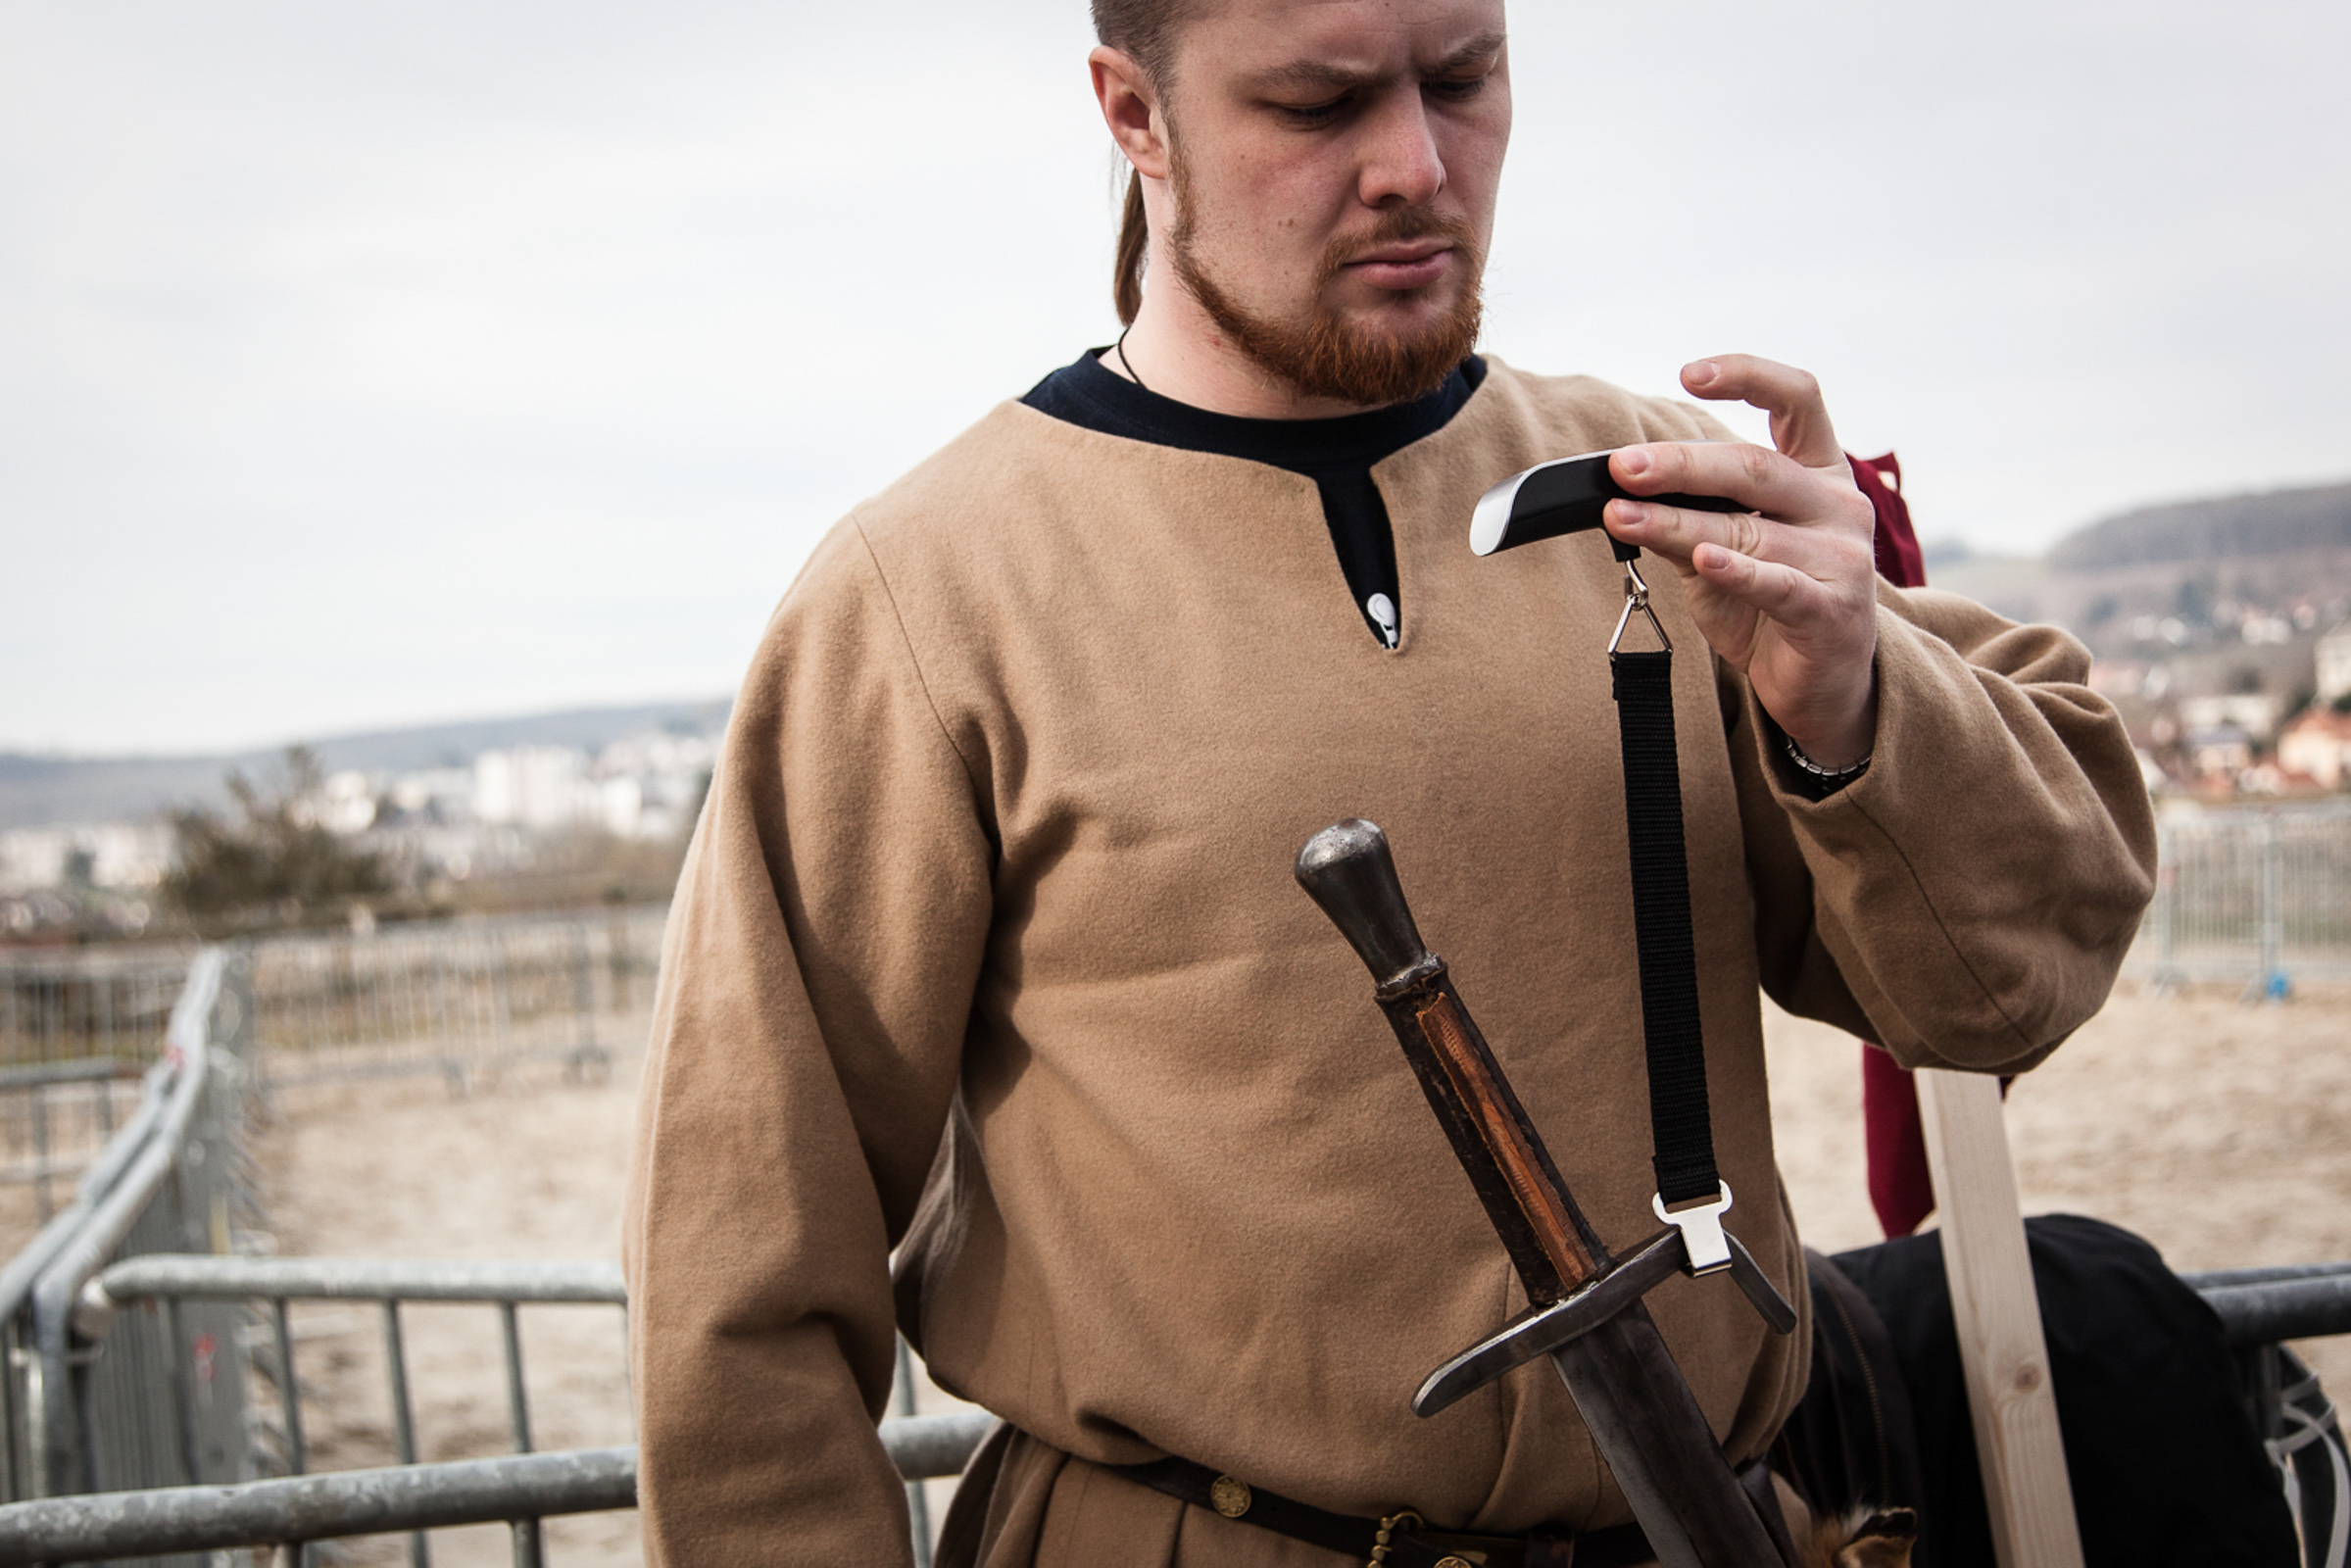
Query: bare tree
x,y
269,862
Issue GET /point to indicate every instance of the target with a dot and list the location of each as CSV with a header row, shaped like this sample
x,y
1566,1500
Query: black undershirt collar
x,y
1337,454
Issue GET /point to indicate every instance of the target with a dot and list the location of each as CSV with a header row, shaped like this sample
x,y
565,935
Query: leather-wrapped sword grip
x,y
1347,870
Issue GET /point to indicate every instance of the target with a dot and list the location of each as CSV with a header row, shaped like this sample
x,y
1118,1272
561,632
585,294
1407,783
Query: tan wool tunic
x,y
1001,841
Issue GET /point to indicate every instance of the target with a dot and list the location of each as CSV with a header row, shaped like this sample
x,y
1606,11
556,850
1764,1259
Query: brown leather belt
x,y
1399,1541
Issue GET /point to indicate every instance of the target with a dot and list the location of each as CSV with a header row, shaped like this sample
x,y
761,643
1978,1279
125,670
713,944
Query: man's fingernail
x,y
1629,512
1635,463
1703,371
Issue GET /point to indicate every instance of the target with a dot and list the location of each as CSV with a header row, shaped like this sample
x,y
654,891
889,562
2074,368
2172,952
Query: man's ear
x,y
1130,107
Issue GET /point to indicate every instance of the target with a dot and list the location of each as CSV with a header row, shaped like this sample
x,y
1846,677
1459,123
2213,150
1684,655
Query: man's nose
x,y
1401,165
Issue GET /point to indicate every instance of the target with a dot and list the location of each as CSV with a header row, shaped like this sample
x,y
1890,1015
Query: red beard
x,y
1325,354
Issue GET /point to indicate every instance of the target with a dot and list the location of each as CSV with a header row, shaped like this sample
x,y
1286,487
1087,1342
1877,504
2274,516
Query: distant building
x,y
619,806
630,790
532,786
2220,751
2334,664
103,855
2253,712
2317,746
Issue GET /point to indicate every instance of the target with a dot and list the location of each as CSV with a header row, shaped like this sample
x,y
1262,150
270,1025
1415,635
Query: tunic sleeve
x,y
1968,901
816,975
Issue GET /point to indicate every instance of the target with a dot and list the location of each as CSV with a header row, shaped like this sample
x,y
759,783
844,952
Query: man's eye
x,y
1457,89
1314,114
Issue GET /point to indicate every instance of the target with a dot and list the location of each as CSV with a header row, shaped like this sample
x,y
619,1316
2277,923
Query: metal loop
x,y
1636,598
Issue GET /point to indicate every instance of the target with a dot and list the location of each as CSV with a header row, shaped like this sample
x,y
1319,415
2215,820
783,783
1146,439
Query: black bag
x,y
2160,1445
1852,1443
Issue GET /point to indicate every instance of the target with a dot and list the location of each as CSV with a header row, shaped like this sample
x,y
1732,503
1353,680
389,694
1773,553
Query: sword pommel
x,y
1347,870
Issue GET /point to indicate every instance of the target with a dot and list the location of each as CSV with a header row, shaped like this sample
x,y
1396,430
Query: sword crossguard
x,y
1541,1330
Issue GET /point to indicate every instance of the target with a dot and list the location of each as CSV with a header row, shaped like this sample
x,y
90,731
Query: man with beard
x,y
987,947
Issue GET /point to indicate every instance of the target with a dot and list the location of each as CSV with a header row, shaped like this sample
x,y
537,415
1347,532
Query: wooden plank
x,y
2018,1445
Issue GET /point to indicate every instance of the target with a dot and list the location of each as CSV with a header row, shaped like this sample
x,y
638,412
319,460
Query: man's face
x,y
1334,164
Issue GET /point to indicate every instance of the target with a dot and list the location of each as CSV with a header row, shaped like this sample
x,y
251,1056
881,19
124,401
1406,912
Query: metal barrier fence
x,y
2259,896
406,1498
55,1116
175,1283
84,1003
154,1375
456,996
467,1491
479,1491
453,997
88,1410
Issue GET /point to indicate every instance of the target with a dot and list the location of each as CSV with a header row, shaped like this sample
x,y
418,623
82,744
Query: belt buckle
x,y
1383,1542
1383,1539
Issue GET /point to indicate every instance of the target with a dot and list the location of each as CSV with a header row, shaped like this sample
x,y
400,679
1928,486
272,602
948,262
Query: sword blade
x,y
1648,1425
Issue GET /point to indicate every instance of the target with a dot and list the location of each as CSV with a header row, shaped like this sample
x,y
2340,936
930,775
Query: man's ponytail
x,y
1145,30
1134,240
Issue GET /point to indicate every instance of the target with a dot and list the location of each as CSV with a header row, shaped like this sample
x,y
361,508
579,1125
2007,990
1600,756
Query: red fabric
x,y
1900,1189
1896,1140
1901,561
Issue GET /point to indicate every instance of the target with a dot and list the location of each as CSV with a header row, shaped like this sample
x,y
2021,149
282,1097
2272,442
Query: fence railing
x,y
84,1004
2259,896
406,1498
154,1402
281,1514
55,1116
456,996
100,1406
269,1286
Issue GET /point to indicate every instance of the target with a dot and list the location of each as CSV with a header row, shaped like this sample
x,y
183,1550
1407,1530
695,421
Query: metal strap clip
x,y
1637,597
1701,1228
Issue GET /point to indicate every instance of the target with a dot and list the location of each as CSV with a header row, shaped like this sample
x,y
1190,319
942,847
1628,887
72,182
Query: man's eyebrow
x,y
1320,75
1482,47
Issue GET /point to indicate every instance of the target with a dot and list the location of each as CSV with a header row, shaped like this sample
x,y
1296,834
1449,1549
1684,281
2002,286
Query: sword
x,y
1586,1312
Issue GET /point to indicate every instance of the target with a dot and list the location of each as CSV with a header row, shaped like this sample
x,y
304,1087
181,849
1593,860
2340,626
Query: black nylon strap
x,y
1680,1122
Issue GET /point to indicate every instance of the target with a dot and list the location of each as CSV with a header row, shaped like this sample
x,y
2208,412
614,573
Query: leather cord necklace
x,y
1119,348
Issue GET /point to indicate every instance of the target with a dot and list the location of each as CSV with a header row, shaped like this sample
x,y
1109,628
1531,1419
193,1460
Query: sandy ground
x,y
2221,1132
525,1165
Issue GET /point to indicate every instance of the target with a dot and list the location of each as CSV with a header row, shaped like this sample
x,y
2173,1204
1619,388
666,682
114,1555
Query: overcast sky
x,y
373,363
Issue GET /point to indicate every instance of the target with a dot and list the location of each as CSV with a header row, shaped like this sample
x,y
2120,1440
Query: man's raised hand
x,y
1786,591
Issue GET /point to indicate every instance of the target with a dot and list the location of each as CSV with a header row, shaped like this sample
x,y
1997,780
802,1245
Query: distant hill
x,y
2231,528
37,789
